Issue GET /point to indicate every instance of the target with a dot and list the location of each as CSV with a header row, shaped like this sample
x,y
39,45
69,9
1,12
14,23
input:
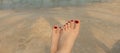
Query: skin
x,y
55,38
63,38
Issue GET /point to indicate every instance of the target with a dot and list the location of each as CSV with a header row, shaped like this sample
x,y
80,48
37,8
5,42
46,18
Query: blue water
x,y
13,4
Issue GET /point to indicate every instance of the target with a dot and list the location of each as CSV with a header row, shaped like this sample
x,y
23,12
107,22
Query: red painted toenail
x,y
68,21
55,27
71,20
76,21
60,27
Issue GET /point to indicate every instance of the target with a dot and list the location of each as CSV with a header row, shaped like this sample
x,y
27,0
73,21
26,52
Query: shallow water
x,y
18,4
30,31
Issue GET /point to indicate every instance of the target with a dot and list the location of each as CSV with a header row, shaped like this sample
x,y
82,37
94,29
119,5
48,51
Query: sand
x,y
30,31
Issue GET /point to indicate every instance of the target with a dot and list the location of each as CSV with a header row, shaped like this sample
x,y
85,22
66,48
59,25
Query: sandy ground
x,y
30,31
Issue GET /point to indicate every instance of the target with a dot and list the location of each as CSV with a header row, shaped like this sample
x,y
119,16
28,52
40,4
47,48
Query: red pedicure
x,y
60,27
67,23
71,20
55,27
76,21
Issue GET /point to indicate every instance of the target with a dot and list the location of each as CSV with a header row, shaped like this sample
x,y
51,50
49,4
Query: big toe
x,y
77,24
56,29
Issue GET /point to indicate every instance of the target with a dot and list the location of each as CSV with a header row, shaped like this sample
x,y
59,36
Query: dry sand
x,y
30,31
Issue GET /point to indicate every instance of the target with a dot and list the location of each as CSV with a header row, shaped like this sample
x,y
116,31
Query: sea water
x,y
14,4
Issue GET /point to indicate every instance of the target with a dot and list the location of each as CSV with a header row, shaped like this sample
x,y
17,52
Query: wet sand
x,y
30,31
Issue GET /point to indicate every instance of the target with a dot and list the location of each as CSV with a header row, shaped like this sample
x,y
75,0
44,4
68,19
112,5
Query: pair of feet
x,y
63,38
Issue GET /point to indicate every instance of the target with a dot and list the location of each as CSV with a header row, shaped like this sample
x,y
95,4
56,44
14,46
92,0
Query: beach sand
x,y
30,31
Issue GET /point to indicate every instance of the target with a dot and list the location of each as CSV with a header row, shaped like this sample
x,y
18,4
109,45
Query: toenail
x,y
60,27
55,27
68,21
76,21
71,20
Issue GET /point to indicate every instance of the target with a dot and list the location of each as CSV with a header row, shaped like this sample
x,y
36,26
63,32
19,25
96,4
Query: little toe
x,y
58,29
61,30
55,29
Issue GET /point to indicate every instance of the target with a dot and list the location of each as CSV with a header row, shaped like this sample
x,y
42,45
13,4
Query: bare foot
x,y
55,38
68,36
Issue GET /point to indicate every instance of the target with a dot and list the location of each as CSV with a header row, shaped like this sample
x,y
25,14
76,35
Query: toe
x,y
72,24
58,30
61,30
64,27
77,24
55,29
68,25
